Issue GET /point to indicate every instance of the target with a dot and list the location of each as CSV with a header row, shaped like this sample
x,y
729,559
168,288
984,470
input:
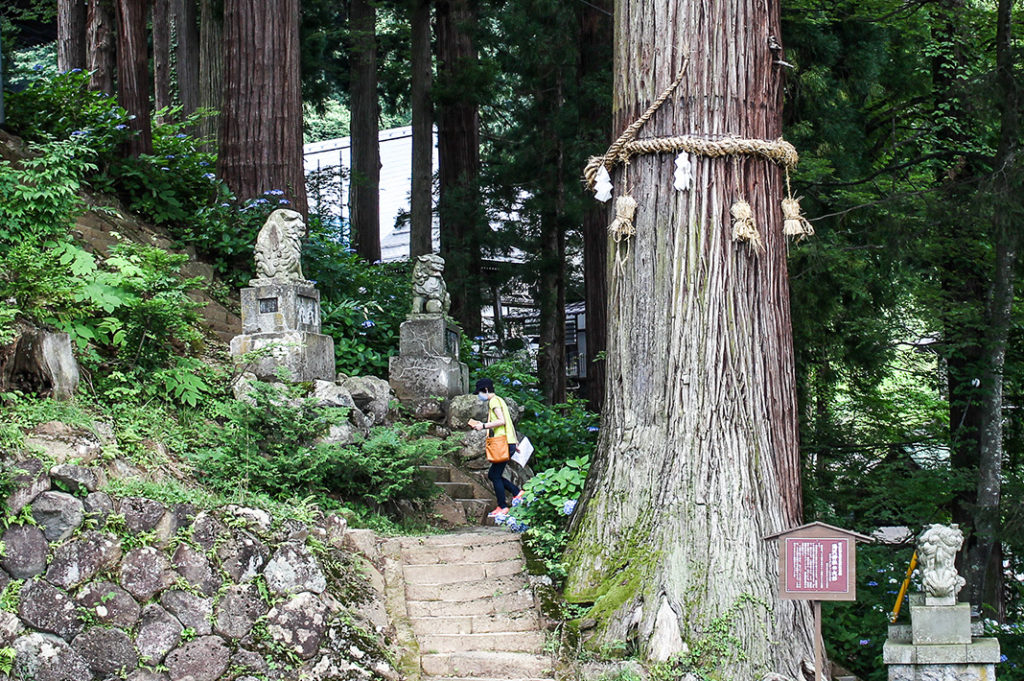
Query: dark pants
x,y
500,483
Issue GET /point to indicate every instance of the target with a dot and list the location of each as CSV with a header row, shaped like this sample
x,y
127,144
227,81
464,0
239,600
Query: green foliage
x,y
7,656
270,447
549,499
363,304
560,432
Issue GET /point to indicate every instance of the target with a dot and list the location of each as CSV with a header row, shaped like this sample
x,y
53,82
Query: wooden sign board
x,y
818,562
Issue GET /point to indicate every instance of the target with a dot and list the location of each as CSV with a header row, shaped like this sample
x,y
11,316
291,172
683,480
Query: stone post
x,y
939,644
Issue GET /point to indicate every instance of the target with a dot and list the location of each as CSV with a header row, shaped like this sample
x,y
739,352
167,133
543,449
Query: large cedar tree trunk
x,y
101,51
133,73
458,159
211,69
595,114
421,221
186,29
72,16
698,457
261,125
161,54
364,193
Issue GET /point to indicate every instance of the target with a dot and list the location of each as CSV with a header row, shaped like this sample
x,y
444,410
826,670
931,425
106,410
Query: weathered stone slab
x,y
299,624
417,380
78,561
243,556
274,306
428,336
25,551
306,356
191,610
238,610
58,514
145,572
141,514
43,657
29,480
292,569
371,394
196,569
74,478
111,604
45,607
204,659
99,506
940,624
106,651
159,632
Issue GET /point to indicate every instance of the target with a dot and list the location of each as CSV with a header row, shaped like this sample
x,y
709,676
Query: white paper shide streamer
x,y
684,172
603,185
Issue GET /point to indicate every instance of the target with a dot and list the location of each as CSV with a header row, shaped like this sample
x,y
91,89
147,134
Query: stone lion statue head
x,y
279,246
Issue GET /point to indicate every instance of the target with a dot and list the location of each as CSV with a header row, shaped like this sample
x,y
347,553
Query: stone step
x,y
475,537
487,665
477,509
457,490
461,554
466,591
437,473
451,573
509,642
501,604
522,620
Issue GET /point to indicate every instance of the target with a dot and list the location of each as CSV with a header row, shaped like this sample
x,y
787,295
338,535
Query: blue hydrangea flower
x,y
284,202
568,507
260,202
592,429
120,126
165,168
203,163
181,135
872,583
1003,658
368,324
865,641
37,67
209,176
274,192
170,157
517,383
76,133
75,71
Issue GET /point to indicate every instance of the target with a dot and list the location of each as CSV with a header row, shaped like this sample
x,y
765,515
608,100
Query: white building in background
x,y
395,185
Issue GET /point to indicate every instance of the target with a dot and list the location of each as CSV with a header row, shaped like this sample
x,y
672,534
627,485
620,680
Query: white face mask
x,y
482,396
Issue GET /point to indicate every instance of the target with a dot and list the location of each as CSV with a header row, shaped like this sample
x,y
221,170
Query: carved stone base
x,y
942,672
428,335
424,384
306,356
273,306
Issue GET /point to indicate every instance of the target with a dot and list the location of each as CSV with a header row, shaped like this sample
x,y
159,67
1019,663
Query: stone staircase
x,y
468,492
469,607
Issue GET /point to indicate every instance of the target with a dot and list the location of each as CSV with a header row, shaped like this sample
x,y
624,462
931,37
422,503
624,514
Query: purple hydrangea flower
x,y
568,507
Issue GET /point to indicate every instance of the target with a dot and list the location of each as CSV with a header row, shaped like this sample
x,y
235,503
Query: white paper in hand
x,y
524,450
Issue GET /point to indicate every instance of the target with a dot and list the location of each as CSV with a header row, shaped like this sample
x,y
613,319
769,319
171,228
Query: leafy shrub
x,y
270,446
559,432
549,499
363,304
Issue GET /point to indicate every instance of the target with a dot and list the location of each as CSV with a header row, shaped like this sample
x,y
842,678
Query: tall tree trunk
x,y
101,56
72,18
161,55
458,157
984,556
364,192
596,111
698,458
186,29
551,359
421,222
211,69
261,125
133,73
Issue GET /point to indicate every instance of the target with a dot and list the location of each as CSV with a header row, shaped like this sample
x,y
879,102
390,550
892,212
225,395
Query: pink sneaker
x,y
498,511
517,499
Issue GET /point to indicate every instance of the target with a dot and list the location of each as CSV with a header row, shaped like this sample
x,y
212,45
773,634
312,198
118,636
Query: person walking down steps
x,y
500,420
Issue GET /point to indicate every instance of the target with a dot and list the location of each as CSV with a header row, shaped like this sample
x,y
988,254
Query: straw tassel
x,y
743,227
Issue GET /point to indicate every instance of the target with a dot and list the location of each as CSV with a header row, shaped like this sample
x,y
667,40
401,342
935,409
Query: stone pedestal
x,y
427,372
938,646
285,317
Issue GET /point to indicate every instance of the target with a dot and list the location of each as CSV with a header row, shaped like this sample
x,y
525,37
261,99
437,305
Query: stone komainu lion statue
x,y
429,293
279,246
936,549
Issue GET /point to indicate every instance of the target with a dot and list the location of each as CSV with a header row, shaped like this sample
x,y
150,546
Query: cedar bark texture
x,y
364,193
101,55
133,73
211,69
458,160
421,220
72,16
161,54
186,29
698,458
261,124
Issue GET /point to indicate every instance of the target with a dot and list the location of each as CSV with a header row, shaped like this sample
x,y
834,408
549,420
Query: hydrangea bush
x,y
549,500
